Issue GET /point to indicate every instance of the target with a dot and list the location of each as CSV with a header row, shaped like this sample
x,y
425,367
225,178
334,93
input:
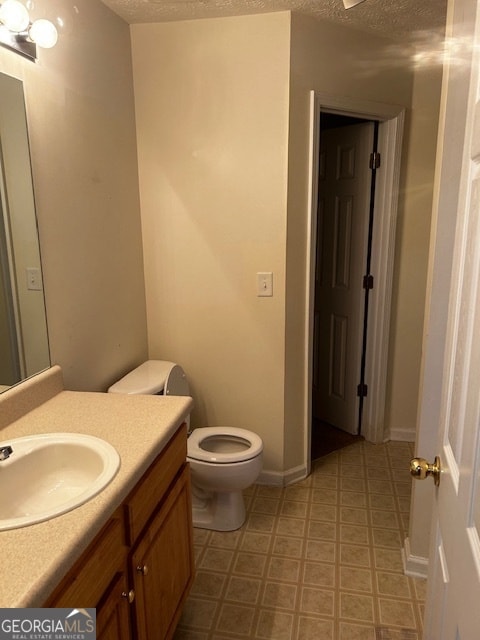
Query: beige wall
x,y
376,70
222,109
411,256
80,112
364,68
212,114
215,100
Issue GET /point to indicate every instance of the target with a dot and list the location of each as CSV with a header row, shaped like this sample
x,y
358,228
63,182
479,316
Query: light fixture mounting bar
x,y
18,42
348,4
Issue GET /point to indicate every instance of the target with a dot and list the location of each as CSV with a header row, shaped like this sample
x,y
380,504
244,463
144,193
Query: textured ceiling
x,y
397,19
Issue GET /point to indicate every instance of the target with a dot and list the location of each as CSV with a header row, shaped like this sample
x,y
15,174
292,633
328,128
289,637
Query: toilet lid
x,y
151,377
223,445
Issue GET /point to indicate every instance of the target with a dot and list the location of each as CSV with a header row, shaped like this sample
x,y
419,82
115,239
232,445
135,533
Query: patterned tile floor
x,y
318,560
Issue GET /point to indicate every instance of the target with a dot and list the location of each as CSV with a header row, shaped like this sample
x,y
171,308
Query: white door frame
x,y
391,119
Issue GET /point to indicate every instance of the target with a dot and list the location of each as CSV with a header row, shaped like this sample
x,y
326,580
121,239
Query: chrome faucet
x,y
5,452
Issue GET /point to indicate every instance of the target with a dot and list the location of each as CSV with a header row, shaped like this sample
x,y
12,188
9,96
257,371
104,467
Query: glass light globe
x,y
14,16
43,33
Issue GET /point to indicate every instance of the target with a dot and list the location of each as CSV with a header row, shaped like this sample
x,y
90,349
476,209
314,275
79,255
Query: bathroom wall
x,y
215,101
379,70
80,112
222,110
411,255
363,68
212,116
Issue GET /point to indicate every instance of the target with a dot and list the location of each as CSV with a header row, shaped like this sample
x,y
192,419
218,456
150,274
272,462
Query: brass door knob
x,y
130,596
143,569
421,469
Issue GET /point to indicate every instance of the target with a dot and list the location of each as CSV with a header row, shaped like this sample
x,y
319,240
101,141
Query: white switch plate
x,y
265,284
34,279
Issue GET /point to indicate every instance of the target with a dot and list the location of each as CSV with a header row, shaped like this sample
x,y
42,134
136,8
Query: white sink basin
x,y
52,473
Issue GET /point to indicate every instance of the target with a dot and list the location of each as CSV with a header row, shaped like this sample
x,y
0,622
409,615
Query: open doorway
x,y
348,163
388,122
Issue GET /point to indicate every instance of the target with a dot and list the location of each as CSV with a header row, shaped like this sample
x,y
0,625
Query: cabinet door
x,y
89,578
113,612
163,564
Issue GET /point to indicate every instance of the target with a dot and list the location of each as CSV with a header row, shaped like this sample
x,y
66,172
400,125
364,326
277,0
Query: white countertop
x,y
33,559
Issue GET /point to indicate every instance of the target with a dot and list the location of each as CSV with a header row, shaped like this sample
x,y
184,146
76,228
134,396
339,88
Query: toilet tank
x,y
154,377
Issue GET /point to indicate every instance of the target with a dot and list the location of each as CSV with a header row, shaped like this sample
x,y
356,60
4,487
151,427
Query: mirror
x,y
23,325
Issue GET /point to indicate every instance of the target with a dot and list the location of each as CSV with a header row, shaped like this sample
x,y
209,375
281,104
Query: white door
x,y
343,214
453,599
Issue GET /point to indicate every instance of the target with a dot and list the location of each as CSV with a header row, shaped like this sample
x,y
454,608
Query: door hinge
x,y
362,390
368,282
374,160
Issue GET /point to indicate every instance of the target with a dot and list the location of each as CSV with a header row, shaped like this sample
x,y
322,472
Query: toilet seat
x,y
244,445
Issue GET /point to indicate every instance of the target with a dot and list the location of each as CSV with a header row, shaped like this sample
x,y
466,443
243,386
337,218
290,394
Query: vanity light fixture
x,y
18,33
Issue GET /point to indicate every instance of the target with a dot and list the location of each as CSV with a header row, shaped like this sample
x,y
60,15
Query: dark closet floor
x,y
327,438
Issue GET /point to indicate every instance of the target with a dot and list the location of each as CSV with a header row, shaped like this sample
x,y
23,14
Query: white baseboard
x,y
271,478
413,566
408,434
282,478
295,475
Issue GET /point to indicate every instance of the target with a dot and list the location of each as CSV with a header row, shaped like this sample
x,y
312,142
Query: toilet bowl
x,y
223,460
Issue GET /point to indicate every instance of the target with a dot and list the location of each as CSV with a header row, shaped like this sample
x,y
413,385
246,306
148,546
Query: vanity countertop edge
x,y
35,558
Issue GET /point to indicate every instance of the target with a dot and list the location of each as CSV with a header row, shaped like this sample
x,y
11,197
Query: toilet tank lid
x,y
149,378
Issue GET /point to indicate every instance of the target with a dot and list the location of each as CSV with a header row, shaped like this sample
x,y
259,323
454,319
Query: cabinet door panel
x,y
165,555
144,499
113,614
87,581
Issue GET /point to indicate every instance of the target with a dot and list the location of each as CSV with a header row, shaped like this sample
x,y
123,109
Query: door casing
x,y
391,123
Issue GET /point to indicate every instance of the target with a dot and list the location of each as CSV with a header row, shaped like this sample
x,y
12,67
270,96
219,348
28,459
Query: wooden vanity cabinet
x,y
139,569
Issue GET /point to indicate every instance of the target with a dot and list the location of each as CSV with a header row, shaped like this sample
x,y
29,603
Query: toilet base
x,y
223,511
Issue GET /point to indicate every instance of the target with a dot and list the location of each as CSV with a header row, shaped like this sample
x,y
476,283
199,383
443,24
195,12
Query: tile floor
x,y
318,560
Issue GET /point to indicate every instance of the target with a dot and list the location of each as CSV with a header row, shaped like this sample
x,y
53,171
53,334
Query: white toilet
x,y
223,460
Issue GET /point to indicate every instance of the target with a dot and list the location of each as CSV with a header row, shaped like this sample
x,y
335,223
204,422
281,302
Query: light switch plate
x,y
265,284
34,279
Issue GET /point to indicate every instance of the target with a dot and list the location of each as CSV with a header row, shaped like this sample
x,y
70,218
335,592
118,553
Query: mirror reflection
x,y
23,326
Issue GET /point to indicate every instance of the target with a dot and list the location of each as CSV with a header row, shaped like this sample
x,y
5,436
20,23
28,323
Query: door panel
x,y
439,585
454,574
343,211
338,342
342,242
